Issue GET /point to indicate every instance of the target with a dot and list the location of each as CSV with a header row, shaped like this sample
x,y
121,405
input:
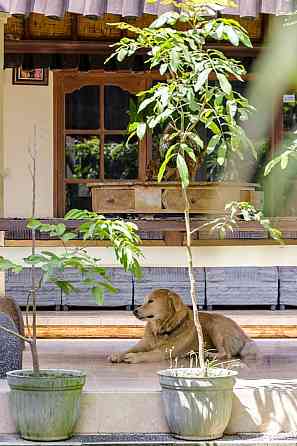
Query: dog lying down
x,y
170,326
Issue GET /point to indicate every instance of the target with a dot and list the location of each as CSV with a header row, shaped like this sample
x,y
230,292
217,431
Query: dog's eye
x,y
150,301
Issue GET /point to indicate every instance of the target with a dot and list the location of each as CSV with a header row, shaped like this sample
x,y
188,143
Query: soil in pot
x,y
197,408
46,407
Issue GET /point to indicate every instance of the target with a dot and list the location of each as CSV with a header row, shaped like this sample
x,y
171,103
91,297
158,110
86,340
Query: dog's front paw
x,y
132,358
117,357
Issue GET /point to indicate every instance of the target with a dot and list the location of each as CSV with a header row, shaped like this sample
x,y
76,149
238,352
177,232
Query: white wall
x,y
219,256
24,106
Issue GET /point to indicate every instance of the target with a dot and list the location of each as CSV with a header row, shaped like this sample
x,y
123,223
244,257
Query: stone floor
x,y
278,359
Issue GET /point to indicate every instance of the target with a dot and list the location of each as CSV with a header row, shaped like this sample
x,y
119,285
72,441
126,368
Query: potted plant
x,y
45,402
197,401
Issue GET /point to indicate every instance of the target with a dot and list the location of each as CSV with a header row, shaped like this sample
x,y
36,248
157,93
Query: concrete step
x,y
124,398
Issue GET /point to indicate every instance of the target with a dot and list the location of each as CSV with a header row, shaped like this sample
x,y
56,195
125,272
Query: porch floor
x,y
123,324
122,398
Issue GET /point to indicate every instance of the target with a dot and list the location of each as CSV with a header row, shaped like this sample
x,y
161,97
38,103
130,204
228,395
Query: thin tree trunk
x,y
35,358
193,285
33,343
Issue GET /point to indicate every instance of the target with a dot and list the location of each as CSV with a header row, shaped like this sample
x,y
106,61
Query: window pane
x,y
78,196
82,109
120,162
82,156
116,107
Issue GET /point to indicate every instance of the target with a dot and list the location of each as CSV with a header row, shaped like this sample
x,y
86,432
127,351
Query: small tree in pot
x,y
45,402
184,105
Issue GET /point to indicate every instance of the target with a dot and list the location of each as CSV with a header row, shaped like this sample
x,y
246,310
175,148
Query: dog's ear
x,y
175,302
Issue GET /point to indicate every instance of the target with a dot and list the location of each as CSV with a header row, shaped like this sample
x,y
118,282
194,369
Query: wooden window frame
x,y
65,82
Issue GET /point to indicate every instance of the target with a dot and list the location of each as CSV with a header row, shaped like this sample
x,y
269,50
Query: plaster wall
x,y
210,256
24,107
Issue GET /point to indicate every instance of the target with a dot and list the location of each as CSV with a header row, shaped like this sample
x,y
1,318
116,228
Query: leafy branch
x,y
236,212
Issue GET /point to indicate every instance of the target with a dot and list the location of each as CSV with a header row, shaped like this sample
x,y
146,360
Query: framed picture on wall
x,y
36,76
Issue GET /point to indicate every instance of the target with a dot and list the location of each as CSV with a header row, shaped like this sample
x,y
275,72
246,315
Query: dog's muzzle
x,y
135,312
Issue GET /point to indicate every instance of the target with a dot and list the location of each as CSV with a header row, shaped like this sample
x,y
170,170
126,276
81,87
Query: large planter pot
x,y
197,408
45,407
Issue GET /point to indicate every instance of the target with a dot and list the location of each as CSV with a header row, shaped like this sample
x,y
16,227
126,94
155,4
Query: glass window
x,y
116,107
82,155
120,159
82,109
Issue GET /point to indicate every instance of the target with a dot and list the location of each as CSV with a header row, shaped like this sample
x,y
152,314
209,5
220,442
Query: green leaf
x,y
189,151
183,170
6,264
33,224
222,154
220,31
194,137
141,129
284,161
109,287
232,35
202,78
269,166
168,17
232,108
213,127
68,236
224,83
35,259
145,103
244,38
98,294
122,54
50,254
163,167
64,285
60,229
213,143
163,68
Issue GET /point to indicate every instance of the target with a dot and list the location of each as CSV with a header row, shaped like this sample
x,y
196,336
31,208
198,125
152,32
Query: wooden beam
x,y
79,47
136,331
169,241
89,331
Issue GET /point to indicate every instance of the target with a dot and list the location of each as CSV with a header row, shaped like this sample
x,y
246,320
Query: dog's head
x,y
164,307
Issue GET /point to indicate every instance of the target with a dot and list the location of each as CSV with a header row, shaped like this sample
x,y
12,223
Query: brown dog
x,y
9,307
171,326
